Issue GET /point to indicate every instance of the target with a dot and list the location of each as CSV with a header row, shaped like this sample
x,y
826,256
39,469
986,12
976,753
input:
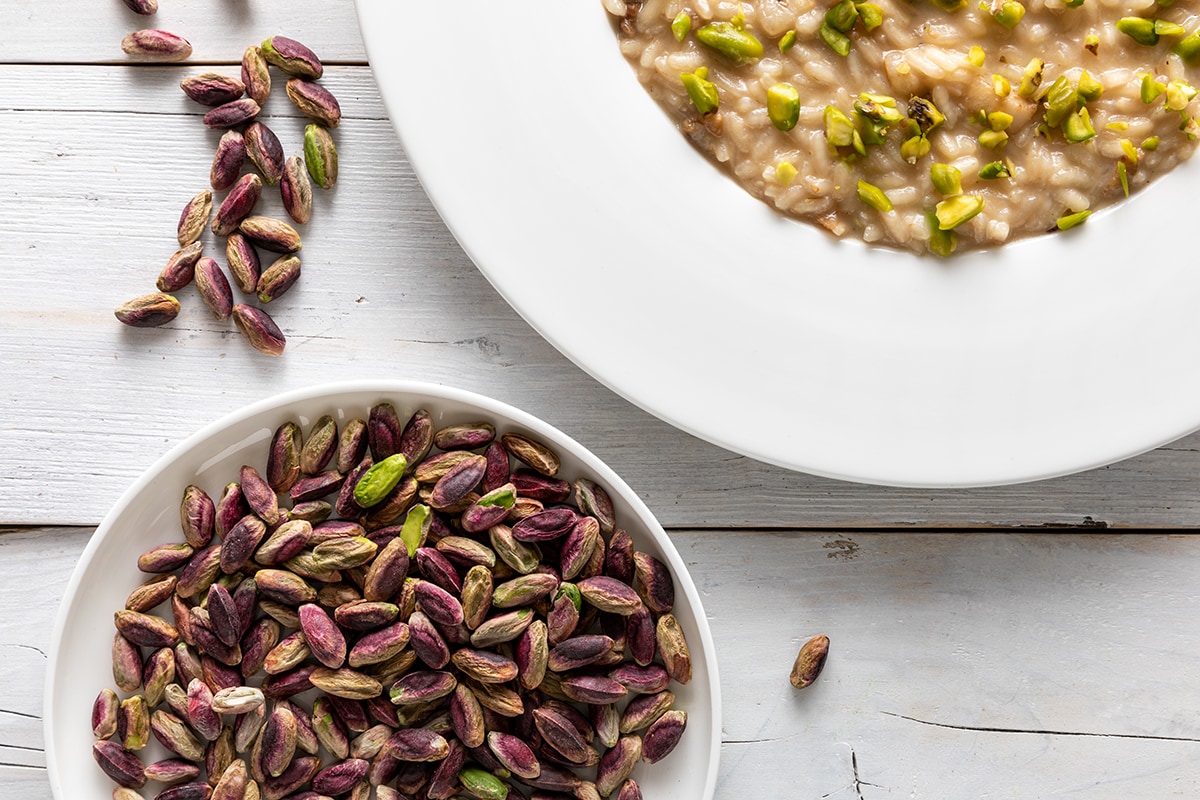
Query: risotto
x,y
929,125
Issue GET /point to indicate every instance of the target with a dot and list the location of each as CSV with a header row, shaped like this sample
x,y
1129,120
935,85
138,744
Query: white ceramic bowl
x,y
148,514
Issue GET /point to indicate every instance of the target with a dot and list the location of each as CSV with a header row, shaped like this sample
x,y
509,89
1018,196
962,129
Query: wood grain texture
x,y
990,666
107,156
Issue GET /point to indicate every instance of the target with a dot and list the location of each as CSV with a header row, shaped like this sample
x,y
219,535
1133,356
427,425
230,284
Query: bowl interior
x,y
147,515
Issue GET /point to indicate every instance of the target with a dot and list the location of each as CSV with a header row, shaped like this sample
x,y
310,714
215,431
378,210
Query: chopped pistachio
x,y
996,169
873,132
783,106
1179,94
1189,127
976,56
999,120
993,139
1001,86
1073,3
785,172
870,14
1091,43
954,211
1118,125
1140,29
839,128
1123,176
941,243
878,107
788,41
1089,88
1188,48
950,5
1150,144
856,142
731,41
1069,221
874,197
681,25
1031,78
946,178
1008,13
1164,28
1078,127
1060,100
925,114
702,92
1151,88
1131,153
838,42
914,149
842,16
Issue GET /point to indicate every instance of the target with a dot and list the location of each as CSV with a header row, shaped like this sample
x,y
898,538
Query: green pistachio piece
x,y
1164,28
950,5
1151,88
1188,48
842,16
1031,79
874,197
870,14
1088,87
996,169
914,149
999,120
1091,43
947,179
1150,143
783,106
379,479
416,528
878,107
925,114
976,56
954,211
730,41
1078,127
993,139
1060,100
702,92
1009,13
839,129
1123,176
941,243
482,784
1179,94
785,173
681,25
1073,3
787,41
1069,221
837,41
1140,29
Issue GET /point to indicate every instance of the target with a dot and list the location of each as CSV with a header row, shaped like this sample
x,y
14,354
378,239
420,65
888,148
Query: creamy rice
x,y
923,51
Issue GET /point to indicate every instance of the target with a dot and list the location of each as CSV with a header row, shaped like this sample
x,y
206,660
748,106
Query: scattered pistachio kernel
x,y
1060,100
1008,13
731,41
1151,88
954,211
1164,28
785,173
993,139
842,16
874,197
870,14
1188,48
976,56
1069,221
1001,86
1190,128
1031,78
681,25
1073,3
950,5
999,120
783,106
925,114
839,128
1150,144
996,169
787,41
1088,87
1118,125
1131,153
946,178
914,148
1140,29
837,41
1179,94
702,92
1078,127
941,242
1123,177
1091,43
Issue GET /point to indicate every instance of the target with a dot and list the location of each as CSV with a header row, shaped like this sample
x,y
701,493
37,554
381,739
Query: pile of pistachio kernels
x,y
245,140
392,611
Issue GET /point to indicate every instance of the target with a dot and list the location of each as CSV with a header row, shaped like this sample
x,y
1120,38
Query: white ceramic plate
x,y
627,250
148,514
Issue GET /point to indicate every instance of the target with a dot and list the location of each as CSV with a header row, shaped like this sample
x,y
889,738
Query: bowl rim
x,y
386,387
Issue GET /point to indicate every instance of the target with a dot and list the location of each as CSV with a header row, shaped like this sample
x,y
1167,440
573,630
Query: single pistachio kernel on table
x,y
783,106
874,197
701,91
320,156
1069,221
954,211
809,662
681,26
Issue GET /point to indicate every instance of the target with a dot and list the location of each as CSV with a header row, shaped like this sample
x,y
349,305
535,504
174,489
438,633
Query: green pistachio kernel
x,y
996,169
702,91
1073,3
1060,100
1009,13
976,55
1091,43
1031,78
1150,144
415,530
842,16
925,114
1118,125
856,141
785,173
941,243
681,25
1001,86
1140,29
482,784
954,211
1151,88
914,149
1189,127
373,487
1078,127
947,178
783,106
993,139
999,120
1123,177
1179,94
1069,221
870,14
950,5
837,41
1089,88
1188,48
839,128
874,197
1164,28
1131,153
787,41
873,133
878,108
731,41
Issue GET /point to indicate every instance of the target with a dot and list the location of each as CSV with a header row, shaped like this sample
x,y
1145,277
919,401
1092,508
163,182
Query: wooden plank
x,y
85,31
994,665
106,157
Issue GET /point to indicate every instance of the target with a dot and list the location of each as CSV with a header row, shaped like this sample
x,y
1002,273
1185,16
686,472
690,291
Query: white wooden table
x,y
1018,642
